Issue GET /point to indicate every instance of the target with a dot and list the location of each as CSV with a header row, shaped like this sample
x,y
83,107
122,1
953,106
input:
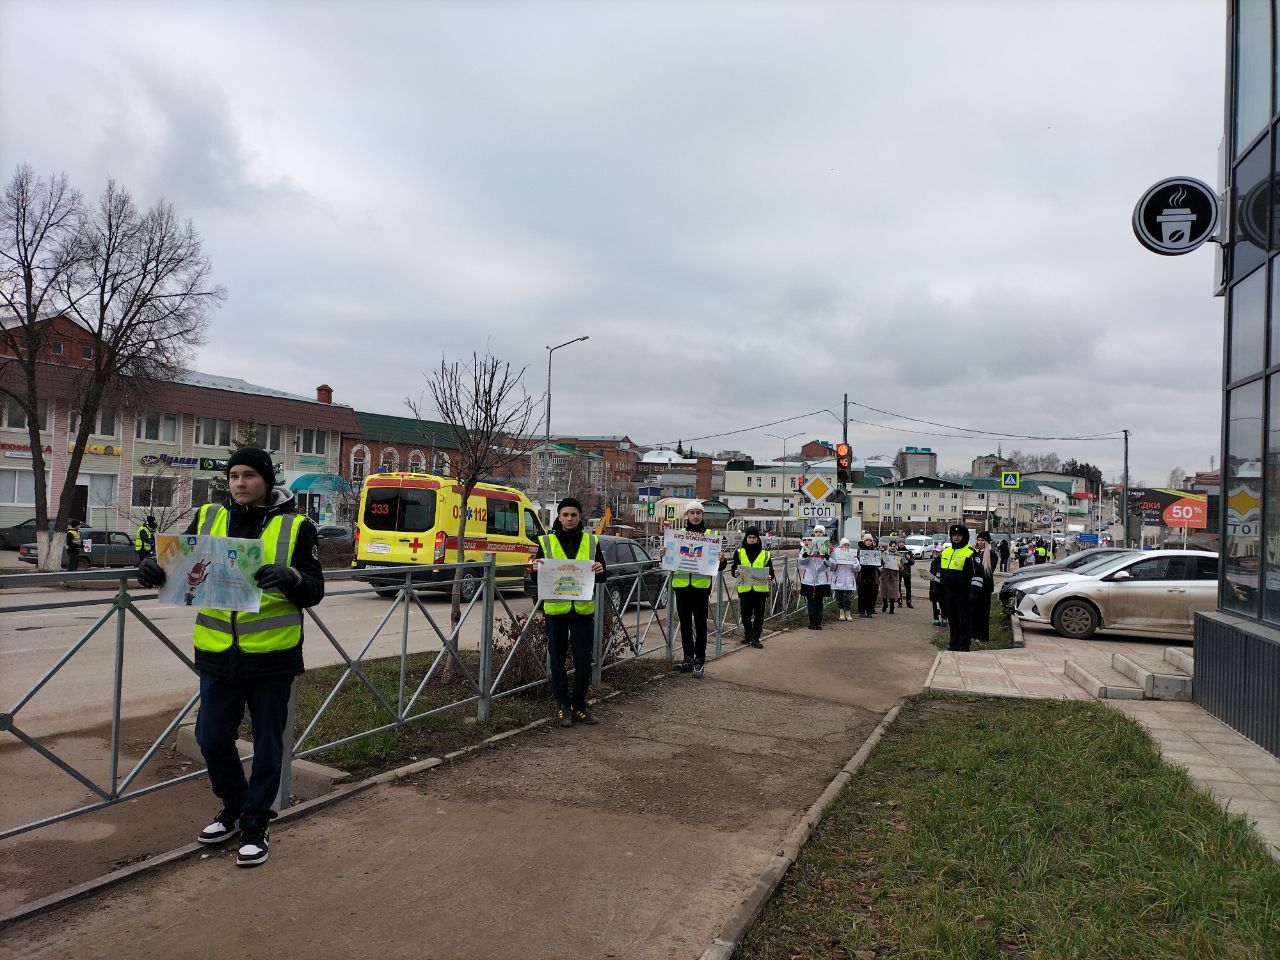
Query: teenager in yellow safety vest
x,y
692,596
247,658
144,544
754,594
570,623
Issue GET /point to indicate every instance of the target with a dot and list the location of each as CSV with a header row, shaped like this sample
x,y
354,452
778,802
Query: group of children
x,y
874,574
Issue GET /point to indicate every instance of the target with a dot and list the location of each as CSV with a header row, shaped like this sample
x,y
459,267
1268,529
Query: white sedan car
x,y
1153,593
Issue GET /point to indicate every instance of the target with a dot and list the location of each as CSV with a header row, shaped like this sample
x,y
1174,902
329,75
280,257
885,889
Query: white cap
x,y
693,505
819,528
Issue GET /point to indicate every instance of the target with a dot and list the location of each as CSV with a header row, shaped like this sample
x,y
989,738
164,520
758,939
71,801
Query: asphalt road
x,y
80,694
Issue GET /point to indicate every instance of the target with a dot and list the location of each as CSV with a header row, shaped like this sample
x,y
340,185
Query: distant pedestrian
x,y
692,595
985,562
144,544
868,580
889,582
815,573
75,545
752,597
1004,555
844,576
955,572
570,623
1041,553
1023,552
905,562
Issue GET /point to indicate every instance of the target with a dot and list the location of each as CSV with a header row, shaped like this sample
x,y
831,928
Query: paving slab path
x,y
636,838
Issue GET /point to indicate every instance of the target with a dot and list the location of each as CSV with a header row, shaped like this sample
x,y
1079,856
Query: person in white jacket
x,y
815,573
844,577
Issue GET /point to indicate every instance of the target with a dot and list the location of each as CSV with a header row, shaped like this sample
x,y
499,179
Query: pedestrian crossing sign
x,y
1010,480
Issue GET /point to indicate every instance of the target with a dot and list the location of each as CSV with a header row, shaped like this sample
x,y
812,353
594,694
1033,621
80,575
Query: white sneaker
x,y
254,849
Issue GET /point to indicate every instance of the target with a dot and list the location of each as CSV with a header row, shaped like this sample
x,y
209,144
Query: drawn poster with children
x,y
689,552
214,572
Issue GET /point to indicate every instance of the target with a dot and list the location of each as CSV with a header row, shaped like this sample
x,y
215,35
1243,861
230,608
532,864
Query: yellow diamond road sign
x,y
817,489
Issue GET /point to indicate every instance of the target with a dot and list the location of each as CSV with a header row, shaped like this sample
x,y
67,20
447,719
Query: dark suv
x,y
623,560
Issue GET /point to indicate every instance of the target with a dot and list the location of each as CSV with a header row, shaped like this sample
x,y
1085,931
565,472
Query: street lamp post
x,y
546,448
782,499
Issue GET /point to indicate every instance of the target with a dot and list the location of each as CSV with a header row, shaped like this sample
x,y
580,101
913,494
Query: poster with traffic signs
x,y
1170,508
687,552
214,572
560,580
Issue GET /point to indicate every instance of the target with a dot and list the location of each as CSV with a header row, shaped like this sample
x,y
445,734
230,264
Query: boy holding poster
x,y
692,594
569,622
753,566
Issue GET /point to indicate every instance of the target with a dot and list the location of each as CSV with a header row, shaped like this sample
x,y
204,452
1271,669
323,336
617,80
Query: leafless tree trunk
x,y
486,406
42,223
138,282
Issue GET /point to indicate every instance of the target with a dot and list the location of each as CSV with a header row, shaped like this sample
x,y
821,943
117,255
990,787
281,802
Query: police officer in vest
x,y
570,624
692,594
145,542
752,595
958,579
251,659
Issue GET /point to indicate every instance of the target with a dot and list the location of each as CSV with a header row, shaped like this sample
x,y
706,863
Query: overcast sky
x,y
749,207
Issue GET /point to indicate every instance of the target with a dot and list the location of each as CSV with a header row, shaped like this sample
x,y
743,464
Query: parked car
x,y
623,560
11,538
110,548
1153,593
1072,563
919,546
334,534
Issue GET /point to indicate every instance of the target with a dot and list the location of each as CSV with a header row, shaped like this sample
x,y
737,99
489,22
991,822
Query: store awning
x,y
320,483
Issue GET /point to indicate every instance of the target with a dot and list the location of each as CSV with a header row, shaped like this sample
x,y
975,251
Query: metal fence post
x,y
671,607
286,752
404,644
786,590
719,613
486,637
597,635
122,604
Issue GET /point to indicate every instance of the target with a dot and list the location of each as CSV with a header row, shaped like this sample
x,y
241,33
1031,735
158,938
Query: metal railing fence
x,y
634,618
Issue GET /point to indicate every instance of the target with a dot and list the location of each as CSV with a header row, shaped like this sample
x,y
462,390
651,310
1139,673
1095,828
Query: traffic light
x,y
843,460
651,510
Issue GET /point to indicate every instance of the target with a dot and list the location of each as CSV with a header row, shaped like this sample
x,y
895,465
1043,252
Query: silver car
x,y
1153,593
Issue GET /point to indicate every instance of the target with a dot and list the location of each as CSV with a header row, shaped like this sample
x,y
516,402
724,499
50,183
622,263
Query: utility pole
x,y
1124,503
848,496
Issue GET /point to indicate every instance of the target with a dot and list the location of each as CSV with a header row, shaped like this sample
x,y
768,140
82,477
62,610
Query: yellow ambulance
x,y
412,518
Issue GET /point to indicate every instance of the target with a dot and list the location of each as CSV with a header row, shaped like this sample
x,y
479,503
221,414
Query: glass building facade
x,y
1238,648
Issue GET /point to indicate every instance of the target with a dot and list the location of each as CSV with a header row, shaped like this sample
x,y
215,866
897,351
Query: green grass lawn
x,y
1036,829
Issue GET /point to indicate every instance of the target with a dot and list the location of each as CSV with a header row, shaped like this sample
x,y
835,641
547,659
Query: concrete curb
x,y
340,792
735,929
933,671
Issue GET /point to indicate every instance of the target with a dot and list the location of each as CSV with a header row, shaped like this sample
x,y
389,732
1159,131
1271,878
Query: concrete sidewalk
x,y
637,838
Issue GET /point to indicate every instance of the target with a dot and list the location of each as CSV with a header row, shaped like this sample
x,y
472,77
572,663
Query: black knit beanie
x,y
258,459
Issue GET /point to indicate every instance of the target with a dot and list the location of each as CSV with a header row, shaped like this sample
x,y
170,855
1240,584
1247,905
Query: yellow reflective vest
x,y
586,551
145,540
762,560
681,579
277,625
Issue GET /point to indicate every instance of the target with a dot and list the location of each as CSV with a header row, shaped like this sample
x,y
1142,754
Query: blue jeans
x,y
565,632
222,705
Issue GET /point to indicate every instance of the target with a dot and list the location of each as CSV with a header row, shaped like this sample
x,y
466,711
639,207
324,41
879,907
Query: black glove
x,y
151,574
276,576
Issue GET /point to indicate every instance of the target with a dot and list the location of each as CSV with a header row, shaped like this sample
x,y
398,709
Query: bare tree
x,y
485,405
42,223
138,283
1177,477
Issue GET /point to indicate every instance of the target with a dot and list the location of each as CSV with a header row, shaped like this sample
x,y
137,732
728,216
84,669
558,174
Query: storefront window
x,y
1248,310
1271,603
1242,496
1253,69
1251,225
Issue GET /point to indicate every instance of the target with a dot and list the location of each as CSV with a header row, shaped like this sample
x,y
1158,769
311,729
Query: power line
x,y
992,433
965,436
730,433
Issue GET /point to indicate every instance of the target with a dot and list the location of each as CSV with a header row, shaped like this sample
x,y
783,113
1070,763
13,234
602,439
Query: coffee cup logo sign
x,y
1176,216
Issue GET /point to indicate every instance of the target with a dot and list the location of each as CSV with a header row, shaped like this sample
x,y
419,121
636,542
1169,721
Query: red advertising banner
x,y
1171,508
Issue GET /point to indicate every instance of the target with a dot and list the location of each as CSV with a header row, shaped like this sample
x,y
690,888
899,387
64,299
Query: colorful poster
x,y
869,558
214,572
756,576
560,580
1172,508
689,552
815,547
890,561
